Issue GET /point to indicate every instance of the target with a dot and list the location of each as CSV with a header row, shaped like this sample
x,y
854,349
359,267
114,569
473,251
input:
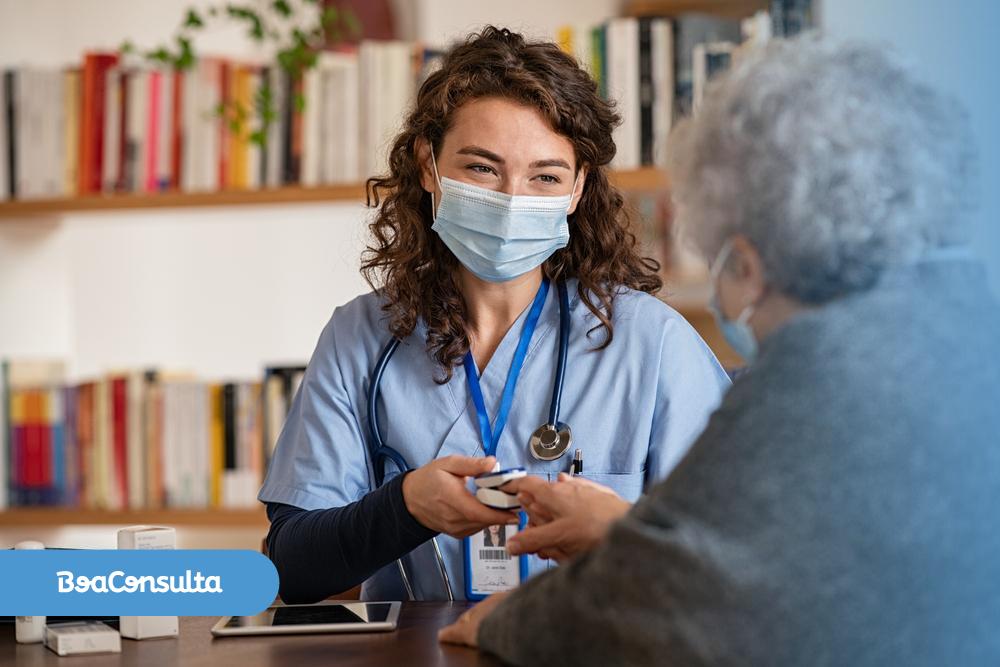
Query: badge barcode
x,y
493,554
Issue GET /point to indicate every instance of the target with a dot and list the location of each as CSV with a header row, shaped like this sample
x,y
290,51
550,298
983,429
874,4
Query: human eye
x,y
548,179
483,169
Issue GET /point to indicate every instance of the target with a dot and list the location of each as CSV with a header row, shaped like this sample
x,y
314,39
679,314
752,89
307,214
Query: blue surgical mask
x,y
738,332
498,236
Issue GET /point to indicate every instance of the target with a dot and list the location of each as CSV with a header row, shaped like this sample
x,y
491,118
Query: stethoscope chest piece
x,y
549,442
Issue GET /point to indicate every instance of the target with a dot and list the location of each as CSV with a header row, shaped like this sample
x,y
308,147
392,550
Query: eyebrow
x,y
552,162
493,157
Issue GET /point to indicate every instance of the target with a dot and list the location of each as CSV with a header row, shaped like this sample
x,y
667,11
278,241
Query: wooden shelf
x,y
93,203
53,516
639,180
736,9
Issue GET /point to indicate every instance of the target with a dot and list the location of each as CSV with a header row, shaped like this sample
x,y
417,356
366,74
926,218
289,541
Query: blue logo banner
x,y
181,582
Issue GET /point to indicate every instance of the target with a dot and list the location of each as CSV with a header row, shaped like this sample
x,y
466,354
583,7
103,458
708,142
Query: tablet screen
x,y
328,614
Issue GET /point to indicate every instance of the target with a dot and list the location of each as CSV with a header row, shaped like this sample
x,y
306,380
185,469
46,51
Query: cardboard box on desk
x,y
148,537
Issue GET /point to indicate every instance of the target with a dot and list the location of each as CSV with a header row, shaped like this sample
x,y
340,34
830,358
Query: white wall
x,y
954,45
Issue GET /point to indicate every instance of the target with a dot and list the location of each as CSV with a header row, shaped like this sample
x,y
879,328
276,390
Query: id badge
x,y
488,567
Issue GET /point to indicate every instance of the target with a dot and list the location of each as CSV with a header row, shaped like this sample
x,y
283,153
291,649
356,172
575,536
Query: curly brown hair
x,y
409,265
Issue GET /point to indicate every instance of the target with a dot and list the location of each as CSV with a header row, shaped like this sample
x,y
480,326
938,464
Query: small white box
x,y
148,537
82,638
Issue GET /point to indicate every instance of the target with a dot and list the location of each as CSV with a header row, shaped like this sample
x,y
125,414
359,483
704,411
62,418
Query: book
x,y
176,131
790,17
162,167
26,131
71,131
646,92
217,444
113,121
5,482
86,454
312,84
689,31
622,45
152,131
339,126
34,439
119,424
95,67
662,70
9,111
136,85
279,388
105,493
275,145
71,444
708,60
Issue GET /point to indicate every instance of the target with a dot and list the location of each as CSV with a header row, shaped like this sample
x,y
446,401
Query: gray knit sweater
x,y
842,506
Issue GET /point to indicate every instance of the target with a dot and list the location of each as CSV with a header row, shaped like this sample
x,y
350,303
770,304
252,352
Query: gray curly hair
x,y
833,159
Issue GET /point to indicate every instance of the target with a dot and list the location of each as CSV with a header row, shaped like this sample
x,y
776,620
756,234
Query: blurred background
x,y
181,209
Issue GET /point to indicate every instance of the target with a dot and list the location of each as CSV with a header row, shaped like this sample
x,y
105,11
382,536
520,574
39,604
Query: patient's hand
x,y
567,517
466,629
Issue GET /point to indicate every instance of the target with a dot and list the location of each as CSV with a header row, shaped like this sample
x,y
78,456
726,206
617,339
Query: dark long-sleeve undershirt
x,y
319,553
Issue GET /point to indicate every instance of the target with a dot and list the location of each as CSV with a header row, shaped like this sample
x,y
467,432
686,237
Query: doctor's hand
x,y
567,517
465,630
436,495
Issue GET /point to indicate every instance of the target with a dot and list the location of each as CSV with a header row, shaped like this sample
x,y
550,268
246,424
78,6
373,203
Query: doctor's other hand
x,y
464,631
567,517
436,495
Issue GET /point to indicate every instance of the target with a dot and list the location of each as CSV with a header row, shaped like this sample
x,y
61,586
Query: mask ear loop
x,y
437,179
572,193
727,248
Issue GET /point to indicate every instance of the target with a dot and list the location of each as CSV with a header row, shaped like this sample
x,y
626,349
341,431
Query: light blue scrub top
x,y
634,409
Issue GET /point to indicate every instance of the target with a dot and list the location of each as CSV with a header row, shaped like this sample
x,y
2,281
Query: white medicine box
x,y
148,537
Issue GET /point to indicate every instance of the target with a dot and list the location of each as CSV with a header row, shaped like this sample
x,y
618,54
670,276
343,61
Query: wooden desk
x,y
413,643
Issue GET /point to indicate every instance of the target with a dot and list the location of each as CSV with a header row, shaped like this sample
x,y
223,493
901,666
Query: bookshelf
x,y
638,180
61,516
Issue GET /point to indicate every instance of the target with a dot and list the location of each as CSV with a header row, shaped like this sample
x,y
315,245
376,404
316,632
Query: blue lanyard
x,y
491,436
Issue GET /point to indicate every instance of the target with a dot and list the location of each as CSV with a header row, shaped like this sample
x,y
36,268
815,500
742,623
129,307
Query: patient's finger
x,y
527,483
536,513
530,540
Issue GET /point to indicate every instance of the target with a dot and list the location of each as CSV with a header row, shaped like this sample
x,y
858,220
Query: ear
x,y
422,149
581,180
747,267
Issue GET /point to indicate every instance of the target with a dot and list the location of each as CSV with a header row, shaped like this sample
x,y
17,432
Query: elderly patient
x,y
841,505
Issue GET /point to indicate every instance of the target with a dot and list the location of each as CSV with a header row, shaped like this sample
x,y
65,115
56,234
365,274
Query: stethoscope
x,y
549,442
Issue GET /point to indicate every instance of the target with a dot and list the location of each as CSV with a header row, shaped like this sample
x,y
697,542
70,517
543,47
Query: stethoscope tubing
x,y
557,388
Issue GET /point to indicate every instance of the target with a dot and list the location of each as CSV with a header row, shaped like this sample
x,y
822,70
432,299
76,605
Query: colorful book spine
x,y
152,133
119,440
95,67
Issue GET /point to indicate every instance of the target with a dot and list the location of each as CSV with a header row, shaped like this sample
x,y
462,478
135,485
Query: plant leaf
x,y
160,55
193,20
282,7
186,59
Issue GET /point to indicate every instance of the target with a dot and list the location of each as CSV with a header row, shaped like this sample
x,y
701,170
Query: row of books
x,y
656,69
137,440
114,125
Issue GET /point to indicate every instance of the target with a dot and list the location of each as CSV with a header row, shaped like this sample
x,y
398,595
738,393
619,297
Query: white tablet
x,y
321,617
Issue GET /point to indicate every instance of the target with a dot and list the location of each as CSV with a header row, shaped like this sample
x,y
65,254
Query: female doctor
x,y
512,321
